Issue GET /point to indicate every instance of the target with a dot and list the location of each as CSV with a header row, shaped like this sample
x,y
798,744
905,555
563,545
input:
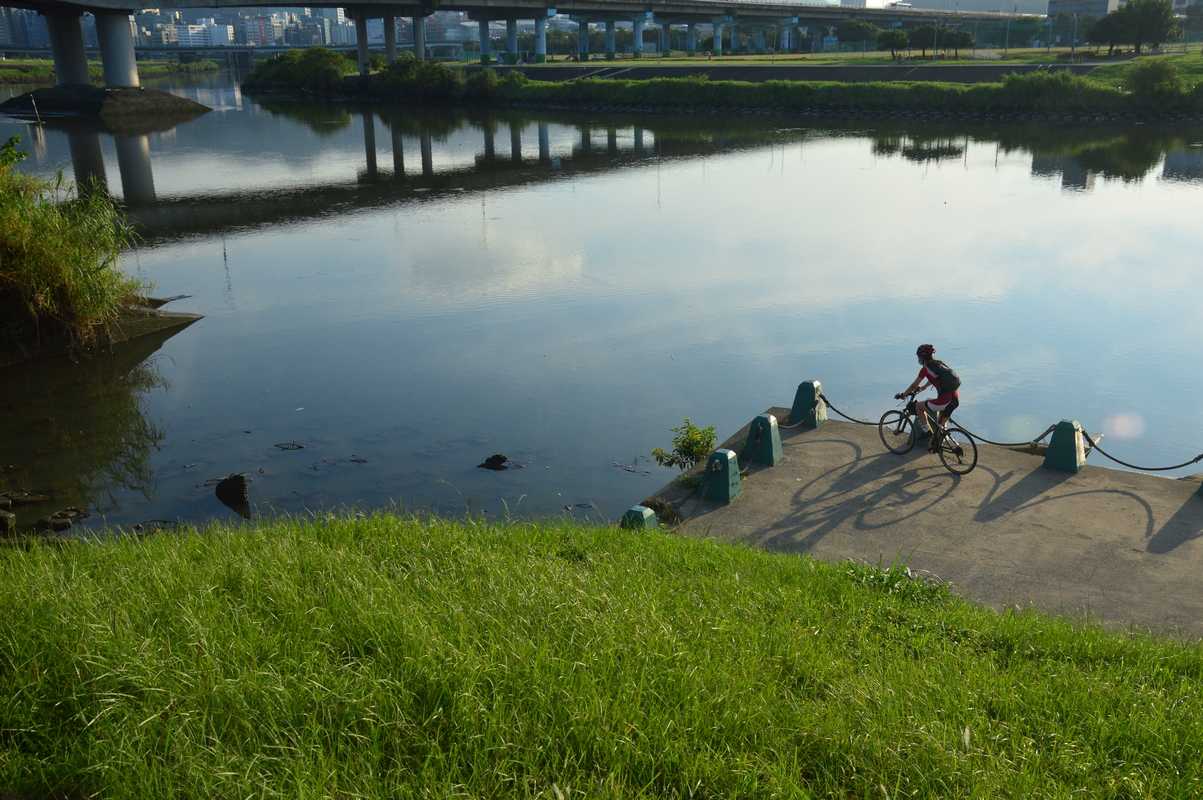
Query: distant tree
x,y
1110,30
1148,22
893,40
957,40
856,31
923,37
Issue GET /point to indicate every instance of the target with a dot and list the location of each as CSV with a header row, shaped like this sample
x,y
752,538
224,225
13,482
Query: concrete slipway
x,y
1120,548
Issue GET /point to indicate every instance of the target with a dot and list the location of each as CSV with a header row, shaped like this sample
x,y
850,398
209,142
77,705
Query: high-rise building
x,y
263,31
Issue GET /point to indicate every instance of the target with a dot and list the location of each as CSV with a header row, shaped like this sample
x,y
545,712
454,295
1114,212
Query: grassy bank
x,y
41,70
58,258
1144,87
382,657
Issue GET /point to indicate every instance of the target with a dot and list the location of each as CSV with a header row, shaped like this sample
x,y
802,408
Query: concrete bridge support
x,y
361,43
611,46
137,177
758,41
691,38
582,39
67,47
541,39
636,41
390,38
734,38
666,37
544,143
719,29
486,46
420,38
784,40
116,49
511,40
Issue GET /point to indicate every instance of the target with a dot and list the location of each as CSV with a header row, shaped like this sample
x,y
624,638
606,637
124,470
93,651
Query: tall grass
x,y
58,256
386,657
39,70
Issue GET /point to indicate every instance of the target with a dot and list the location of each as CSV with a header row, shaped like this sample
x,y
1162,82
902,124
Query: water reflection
x,y
86,436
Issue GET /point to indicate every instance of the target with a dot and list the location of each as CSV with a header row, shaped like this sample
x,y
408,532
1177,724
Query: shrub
x,y
481,84
58,256
691,445
1155,80
313,69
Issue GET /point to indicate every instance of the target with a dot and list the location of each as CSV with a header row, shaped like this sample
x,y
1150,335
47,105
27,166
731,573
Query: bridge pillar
x,y
582,39
544,143
718,38
390,38
734,38
540,40
486,48
611,46
420,38
691,38
511,40
783,39
637,40
137,177
67,46
666,38
361,43
427,159
515,142
116,48
758,41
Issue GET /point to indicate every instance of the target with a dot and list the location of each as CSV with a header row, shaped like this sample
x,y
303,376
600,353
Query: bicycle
x,y
958,451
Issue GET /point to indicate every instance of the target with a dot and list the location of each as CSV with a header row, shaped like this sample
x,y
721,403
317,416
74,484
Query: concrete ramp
x,y
1120,548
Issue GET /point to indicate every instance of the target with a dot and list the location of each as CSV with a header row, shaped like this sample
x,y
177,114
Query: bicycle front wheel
x,y
958,451
897,432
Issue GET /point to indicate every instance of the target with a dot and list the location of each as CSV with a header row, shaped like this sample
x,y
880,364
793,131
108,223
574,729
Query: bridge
x,y
787,19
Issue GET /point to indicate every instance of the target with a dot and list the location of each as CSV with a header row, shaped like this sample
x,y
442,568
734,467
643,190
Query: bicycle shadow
x,y
1185,526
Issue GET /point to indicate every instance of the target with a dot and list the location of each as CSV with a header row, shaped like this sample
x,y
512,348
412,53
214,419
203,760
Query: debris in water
x,y
289,446
233,491
496,462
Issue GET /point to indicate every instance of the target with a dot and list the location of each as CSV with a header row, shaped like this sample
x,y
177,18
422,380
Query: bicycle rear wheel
x,y
897,432
958,451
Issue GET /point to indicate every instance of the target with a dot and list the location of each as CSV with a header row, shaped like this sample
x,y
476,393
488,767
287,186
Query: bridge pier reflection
x,y
427,159
516,142
87,161
612,141
544,143
398,153
133,162
369,144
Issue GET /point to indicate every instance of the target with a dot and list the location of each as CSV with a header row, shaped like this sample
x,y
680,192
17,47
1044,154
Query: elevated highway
x,y
732,25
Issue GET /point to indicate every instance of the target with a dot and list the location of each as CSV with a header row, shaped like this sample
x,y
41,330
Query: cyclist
x,y
935,373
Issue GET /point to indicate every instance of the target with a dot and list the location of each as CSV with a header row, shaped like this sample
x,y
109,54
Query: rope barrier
x,y
1094,446
830,405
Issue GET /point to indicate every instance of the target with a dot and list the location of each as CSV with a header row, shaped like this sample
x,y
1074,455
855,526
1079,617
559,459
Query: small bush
x,y
58,256
314,69
1155,80
691,446
481,84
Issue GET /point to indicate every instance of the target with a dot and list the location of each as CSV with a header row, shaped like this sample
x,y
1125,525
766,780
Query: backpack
x,y
947,379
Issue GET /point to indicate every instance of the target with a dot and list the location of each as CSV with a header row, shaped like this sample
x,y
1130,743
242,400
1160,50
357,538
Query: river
x,y
401,295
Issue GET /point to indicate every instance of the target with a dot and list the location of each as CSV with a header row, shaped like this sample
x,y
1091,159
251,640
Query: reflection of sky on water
x,y
571,323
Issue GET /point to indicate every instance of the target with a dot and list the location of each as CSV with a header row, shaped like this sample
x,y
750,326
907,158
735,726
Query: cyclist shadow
x,y
857,496
1186,525
1033,491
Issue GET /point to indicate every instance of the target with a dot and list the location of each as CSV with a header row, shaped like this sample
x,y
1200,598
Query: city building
x,y
204,34
1082,8
263,31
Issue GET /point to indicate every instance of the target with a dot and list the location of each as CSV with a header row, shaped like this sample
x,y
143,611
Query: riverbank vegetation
x,y
58,258
1147,86
41,70
385,657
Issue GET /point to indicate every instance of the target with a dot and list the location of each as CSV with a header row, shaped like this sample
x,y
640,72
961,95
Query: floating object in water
x,y
496,462
234,492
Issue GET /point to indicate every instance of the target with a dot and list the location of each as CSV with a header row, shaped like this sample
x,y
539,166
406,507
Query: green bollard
x,y
721,481
809,408
764,441
638,518
1067,450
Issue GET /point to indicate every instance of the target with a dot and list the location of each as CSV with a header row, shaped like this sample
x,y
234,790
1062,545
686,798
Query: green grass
x,y
387,657
58,258
41,70
323,73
